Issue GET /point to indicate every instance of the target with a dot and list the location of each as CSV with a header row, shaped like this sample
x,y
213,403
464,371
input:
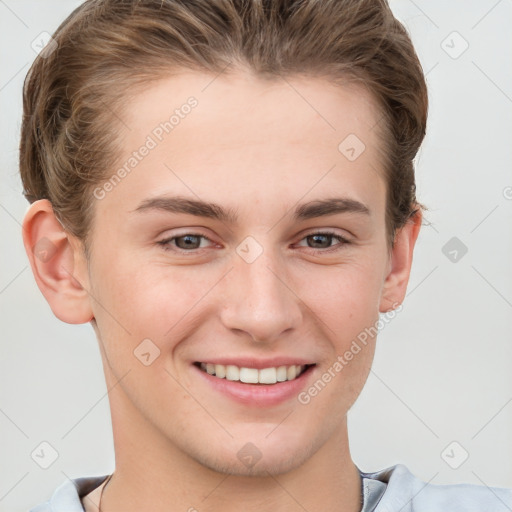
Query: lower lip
x,y
258,395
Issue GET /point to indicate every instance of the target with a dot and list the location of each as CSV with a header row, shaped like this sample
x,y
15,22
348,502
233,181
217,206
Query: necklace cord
x,y
101,495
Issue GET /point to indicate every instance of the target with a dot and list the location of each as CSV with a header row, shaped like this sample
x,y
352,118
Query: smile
x,y
270,375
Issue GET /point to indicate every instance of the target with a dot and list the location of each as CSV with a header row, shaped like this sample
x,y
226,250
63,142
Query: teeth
x,y
267,376
232,372
249,375
253,375
282,374
220,370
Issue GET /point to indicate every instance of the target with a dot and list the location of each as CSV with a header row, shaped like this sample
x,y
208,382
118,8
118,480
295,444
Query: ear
x,y
58,264
395,285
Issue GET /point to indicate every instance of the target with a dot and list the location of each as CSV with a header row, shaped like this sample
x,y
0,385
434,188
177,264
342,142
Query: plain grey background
x,y
441,386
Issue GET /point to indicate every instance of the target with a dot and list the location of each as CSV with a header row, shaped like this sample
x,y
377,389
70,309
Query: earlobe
x,y
395,284
58,264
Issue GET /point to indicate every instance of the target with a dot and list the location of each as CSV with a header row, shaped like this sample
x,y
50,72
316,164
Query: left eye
x,y
328,238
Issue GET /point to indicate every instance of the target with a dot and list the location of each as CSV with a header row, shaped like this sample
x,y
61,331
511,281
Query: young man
x,y
225,191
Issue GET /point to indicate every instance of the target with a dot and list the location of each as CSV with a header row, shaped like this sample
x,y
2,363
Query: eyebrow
x,y
310,210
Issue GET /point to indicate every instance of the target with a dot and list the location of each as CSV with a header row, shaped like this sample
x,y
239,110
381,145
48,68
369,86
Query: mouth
x,y
256,384
265,376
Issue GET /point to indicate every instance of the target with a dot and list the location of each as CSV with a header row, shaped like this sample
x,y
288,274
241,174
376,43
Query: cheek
x,y
139,302
346,299
346,302
143,300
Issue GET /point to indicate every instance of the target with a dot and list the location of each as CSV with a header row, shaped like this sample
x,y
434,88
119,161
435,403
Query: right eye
x,y
186,242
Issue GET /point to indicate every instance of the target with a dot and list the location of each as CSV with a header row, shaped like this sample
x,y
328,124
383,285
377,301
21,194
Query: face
x,y
287,268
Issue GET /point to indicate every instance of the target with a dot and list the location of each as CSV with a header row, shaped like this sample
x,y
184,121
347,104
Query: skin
x,y
259,148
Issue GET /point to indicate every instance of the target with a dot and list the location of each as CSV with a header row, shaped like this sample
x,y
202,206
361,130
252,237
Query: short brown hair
x,y
107,48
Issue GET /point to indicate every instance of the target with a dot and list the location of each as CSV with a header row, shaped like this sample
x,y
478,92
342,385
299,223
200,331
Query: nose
x,y
260,300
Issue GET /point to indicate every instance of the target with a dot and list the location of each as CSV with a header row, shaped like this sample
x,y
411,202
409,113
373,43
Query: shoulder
x,y
67,497
407,493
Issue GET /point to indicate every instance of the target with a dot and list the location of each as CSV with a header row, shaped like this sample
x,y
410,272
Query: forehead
x,y
235,135
247,108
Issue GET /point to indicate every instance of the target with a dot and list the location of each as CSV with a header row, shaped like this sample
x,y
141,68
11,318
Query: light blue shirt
x,y
394,489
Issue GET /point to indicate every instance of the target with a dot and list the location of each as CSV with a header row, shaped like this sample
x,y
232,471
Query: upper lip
x,y
250,362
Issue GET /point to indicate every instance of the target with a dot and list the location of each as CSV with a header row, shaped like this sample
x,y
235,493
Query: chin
x,y
256,459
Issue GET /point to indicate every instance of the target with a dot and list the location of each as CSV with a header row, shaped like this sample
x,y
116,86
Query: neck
x,y
152,473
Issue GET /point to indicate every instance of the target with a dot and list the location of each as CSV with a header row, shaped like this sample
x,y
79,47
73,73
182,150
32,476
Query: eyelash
x,y
343,241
